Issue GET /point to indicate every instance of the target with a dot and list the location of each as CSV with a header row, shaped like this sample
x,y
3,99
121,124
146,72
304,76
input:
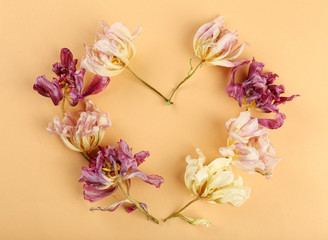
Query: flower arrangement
x,y
112,168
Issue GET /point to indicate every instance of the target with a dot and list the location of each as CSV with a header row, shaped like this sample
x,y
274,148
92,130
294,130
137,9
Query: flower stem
x,y
136,203
185,79
177,213
85,156
63,106
148,85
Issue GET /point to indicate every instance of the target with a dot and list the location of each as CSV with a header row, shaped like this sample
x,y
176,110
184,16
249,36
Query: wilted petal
x,y
91,176
273,123
113,50
214,44
48,89
141,156
243,128
212,182
235,194
133,207
82,134
92,194
67,66
201,221
258,91
112,207
151,179
98,84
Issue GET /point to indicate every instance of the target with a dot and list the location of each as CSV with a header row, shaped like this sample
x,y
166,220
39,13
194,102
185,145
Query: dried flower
x,y
112,51
243,128
214,44
49,89
69,82
111,167
259,92
249,145
82,134
215,182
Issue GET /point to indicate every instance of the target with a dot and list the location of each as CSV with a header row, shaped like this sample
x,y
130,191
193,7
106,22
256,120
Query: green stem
x,y
148,85
177,213
63,106
136,203
184,80
85,156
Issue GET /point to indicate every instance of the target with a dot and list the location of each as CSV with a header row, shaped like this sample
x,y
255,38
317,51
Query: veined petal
x,y
151,179
112,207
133,207
92,194
236,195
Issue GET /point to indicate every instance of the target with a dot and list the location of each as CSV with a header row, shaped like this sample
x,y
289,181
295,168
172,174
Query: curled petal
x,y
140,156
201,221
82,134
90,176
151,179
133,207
214,44
48,89
75,97
236,194
113,50
273,123
92,194
67,66
112,207
98,84
258,91
78,80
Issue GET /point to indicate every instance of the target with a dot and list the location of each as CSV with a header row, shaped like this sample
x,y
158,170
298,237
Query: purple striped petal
x,y
93,194
112,207
90,176
151,179
133,207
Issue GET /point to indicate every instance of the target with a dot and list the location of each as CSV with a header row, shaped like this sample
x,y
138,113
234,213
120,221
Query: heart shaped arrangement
x,y
112,168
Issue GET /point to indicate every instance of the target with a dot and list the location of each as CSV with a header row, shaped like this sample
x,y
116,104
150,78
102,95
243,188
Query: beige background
x,y
40,195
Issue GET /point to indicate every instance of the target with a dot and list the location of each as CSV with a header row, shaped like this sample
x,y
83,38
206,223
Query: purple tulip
x,y
49,89
111,166
70,81
259,92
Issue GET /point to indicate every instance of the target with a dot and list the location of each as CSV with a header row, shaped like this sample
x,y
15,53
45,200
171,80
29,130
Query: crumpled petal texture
x,y
85,133
216,45
215,182
113,49
258,91
249,145
70,81
111,166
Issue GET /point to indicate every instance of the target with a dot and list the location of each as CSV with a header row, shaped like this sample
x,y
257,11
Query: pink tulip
x,y
215,45
85,133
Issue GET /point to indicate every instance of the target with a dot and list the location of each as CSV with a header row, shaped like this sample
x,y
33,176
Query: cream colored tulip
x,y
112,51
215,182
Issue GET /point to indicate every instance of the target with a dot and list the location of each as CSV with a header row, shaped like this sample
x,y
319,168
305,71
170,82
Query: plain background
x,y
40,194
